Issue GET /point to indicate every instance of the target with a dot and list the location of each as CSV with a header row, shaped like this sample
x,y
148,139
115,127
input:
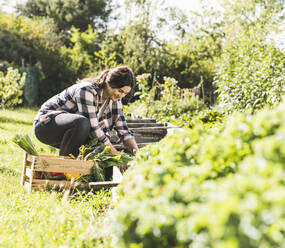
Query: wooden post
x,y
32,175
24,169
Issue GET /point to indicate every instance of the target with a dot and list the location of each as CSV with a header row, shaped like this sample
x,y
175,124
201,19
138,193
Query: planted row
x,y
221,187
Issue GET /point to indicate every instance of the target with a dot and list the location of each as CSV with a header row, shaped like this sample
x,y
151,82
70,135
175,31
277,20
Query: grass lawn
x,y
42,219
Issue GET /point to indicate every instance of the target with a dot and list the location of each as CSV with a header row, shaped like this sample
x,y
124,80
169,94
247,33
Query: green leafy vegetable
x,y
24,141
102,157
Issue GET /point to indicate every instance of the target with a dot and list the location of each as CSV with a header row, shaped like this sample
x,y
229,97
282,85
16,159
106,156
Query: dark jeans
x,y
66,131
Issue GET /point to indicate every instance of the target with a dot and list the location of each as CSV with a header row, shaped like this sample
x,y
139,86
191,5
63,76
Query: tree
x,y
68,13
251,70
79,55
27,42
139,41
193,58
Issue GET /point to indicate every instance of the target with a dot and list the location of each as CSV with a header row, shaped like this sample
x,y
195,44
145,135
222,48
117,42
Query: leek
x,y
24,141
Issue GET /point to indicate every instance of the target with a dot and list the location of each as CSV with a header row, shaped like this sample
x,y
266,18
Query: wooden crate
x,y
34,166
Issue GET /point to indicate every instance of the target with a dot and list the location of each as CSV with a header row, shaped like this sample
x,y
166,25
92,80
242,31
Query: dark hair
x,y
116,77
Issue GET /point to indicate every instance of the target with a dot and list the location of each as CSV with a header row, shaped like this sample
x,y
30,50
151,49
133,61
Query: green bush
x,y
220,187
192,58
11,86
34,42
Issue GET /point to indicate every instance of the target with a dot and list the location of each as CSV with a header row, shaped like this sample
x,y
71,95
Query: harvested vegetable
x,y
102,157
69,176
24,141
106,159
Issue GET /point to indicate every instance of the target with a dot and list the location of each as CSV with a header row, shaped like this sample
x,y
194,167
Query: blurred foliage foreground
x,y
220,187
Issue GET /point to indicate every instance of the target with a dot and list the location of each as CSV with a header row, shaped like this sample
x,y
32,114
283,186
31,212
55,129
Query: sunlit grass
x,y
42,218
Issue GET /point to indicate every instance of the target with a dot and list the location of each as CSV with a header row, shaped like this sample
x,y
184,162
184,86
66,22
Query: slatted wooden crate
x,y
35,166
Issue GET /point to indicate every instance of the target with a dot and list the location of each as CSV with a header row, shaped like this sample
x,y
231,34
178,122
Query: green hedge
x,y
34,42
221,187
11,85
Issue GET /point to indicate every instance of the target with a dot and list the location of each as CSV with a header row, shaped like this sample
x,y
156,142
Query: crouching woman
x,y
90,108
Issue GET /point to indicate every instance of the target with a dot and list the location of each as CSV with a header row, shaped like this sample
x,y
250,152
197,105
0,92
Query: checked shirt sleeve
x,y
121,124
86,103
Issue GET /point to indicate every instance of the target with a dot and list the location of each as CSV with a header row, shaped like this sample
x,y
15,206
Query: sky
x,y
6,5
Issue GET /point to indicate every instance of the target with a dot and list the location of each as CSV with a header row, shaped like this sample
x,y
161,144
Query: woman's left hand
x,y
131,145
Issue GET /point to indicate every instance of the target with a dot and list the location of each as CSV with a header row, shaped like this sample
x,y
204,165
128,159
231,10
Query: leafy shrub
x,y
192,58
11,88
79,53
35,42
146,93
210,116
220,187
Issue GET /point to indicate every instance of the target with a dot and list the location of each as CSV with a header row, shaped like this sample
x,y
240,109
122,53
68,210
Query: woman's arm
x,y
86,104
123,131
131,145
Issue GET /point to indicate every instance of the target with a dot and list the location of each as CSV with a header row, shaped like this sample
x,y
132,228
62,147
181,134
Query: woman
x,y
70,118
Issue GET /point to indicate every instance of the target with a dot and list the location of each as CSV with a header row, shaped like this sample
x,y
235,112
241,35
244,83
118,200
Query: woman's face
x,y
117,93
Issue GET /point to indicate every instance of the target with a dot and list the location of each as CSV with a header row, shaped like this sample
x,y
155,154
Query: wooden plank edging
x,y
54,164
64,184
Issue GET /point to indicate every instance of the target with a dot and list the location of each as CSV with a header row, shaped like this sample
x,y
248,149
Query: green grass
x,y
43,218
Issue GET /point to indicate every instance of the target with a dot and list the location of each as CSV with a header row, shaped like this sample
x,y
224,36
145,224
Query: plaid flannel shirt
x,y
85,98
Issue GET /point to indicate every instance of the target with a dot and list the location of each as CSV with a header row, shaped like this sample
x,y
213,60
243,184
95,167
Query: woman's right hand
x,y
113,149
